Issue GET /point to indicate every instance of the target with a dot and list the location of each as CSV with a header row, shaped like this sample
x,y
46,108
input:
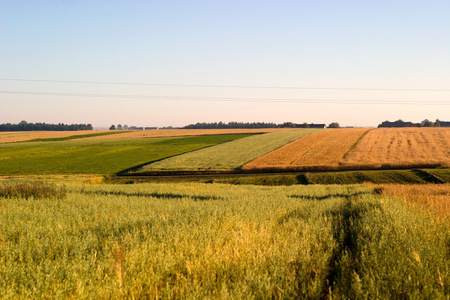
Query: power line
x,y
237,99
228,86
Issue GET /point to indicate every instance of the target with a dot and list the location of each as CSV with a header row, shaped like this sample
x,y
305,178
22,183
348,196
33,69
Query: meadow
x,y
195,240
96,157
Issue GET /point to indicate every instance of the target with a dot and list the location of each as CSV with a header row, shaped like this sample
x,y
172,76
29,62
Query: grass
x,y
96,157
228,156
191,241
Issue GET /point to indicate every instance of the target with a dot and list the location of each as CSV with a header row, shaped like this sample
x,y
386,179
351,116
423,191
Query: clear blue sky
x,y
376,46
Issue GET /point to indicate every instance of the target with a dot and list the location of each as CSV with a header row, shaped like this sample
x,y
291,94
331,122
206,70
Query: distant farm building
x,y
444,124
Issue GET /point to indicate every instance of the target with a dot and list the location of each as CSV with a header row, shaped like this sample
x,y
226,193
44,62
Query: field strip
x,y
324,148
229,155
401,147
22,136
96,157
186,132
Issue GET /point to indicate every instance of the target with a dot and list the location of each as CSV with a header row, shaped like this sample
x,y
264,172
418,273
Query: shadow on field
x,y
152,195
316,198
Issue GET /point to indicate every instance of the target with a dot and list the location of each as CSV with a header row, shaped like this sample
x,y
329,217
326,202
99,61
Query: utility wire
x,y
228,99
228,86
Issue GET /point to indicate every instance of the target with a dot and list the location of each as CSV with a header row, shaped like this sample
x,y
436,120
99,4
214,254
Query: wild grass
x,y
32,190
229,156
96,157
191,241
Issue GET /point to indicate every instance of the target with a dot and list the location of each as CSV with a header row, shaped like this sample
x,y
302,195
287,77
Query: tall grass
x,y
190,241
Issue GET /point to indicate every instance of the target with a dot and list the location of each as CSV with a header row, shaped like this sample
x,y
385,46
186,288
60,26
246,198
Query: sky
x,y
174,63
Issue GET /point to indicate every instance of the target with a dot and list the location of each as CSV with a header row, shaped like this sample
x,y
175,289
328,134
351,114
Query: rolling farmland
x,y
96,157
228,156
361,149
324,149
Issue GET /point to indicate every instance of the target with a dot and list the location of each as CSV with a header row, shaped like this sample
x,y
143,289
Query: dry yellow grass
x,y
182,132
324,149
431,198
21,136
402,147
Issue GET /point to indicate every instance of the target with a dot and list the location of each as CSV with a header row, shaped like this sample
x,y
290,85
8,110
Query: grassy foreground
x,y
209,241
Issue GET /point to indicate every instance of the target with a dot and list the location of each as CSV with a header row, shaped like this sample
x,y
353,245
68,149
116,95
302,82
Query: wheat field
x,y
322,149
402,147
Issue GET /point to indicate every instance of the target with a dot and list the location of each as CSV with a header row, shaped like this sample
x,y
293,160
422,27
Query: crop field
x,y
228,156
22,136
136,134
402,147
193,240
96,157
433,199
379,148
324,149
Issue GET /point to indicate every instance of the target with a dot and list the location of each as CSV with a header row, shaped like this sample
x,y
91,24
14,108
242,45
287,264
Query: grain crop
x,y
432,198
402,147
230,155
324,149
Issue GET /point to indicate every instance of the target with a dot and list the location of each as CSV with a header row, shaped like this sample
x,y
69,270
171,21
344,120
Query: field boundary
x,y
400,176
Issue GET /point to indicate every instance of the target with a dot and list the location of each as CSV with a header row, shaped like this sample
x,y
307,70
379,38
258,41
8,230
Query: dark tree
x,y
334,125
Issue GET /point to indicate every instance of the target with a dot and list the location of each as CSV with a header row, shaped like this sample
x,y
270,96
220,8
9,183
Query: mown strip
x,y
77,136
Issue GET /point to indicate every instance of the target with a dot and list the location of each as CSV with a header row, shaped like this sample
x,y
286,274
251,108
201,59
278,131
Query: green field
x,y
193,240
228,156
96,157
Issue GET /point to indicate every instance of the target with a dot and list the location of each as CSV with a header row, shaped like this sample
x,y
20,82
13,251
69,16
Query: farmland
x,y
193,240
321,150
228,156
80,235
394,147
96,157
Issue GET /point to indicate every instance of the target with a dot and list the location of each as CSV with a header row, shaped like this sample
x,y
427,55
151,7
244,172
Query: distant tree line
x,y
424,123
230,125
25,126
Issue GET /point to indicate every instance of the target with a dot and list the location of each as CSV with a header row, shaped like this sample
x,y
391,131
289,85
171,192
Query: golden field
x,y
361,148
431,198
321,149
402,147
22,136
